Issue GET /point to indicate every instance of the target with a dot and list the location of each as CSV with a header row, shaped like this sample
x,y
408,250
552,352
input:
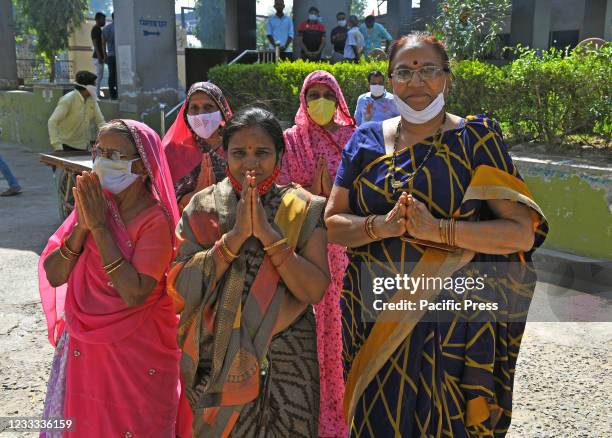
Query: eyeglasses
x,y
112,154
426,73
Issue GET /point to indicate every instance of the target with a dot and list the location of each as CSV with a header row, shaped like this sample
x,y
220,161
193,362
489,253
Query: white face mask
x,y
425,115
313,17
115,176
91,89
377,90
205,124
342,23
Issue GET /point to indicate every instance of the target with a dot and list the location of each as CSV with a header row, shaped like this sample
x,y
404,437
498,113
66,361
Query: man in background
x,y
374,34
279,29
378,104
354,41
70,124
108,33
14,187
312,33
338,37
99,54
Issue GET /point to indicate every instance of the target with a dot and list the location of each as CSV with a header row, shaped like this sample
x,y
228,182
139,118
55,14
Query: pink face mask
x,y
205,124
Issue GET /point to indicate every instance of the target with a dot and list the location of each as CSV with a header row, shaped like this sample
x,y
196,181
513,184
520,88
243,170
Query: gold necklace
x,y
399,184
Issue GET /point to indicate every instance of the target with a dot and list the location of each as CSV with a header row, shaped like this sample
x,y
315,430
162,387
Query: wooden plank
x,y
68,160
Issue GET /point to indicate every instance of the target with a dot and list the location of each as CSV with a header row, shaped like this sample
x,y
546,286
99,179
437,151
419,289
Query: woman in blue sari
x,y
423,194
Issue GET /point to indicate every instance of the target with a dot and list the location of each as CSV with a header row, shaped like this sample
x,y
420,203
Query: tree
x,y
210,27
470,28
358,7
53,21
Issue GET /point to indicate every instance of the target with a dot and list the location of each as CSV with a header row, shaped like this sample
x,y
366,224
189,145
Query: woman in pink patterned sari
x,y
323,125
102,280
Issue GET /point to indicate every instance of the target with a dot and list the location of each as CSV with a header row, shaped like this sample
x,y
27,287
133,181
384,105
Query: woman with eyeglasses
x,y
102,279
420,196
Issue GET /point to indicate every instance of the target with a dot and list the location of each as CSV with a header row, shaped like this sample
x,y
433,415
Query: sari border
x,y
387,334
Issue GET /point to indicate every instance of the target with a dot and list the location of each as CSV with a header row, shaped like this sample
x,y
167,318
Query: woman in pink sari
x,y
102,280
323,125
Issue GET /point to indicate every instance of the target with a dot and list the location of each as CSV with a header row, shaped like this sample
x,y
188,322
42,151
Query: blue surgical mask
x,y
115,175
313,17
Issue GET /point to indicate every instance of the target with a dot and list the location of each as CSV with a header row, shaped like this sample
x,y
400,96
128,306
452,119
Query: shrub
x,y
277,86
541,96
549,95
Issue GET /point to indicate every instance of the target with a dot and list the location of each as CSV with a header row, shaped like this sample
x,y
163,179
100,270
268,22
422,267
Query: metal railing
x,y
35,69
263,56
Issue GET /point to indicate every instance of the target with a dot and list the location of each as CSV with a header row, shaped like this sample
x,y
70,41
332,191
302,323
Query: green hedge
x,y
540,96
277,86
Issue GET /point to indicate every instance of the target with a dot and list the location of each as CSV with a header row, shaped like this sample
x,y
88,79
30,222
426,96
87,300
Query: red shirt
x,y
312,34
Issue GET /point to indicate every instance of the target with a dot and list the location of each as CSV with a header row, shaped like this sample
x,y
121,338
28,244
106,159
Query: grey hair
x,y
117,127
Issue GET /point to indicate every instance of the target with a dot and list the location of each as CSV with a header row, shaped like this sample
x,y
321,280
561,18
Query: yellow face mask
x,y
322,110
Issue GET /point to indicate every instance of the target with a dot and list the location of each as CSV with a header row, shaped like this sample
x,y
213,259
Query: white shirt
x,y
354,38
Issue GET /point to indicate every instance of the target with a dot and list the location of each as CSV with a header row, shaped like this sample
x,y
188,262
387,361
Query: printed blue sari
x,y
442,376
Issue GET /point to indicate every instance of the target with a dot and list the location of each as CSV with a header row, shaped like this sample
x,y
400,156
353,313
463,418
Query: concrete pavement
x,y
563,380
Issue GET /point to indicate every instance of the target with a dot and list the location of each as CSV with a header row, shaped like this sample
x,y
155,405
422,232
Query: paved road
x,y
564,374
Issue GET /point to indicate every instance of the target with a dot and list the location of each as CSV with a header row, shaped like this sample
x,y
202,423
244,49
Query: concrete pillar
x,y
399,13
247,25
8,65
597,19
328,10
231,24
530,23
145,43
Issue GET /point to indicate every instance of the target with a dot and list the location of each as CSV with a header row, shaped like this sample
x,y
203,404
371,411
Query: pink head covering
x,y
180,144
305,140
148,145
342,117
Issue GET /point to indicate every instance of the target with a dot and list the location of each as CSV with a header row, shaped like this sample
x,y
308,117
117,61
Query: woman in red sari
x,y
193,144
323,125
102,280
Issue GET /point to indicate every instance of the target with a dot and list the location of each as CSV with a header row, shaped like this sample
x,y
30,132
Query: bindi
x,y
415,62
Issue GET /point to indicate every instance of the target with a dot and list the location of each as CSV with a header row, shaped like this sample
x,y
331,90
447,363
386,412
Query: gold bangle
x,y
64,256
113,263
226,249
371,224
226,258
445,232
369,227
453,232
278,250
114,268
71,252
275,244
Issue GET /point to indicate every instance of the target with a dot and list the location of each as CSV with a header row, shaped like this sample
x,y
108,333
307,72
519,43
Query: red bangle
x,y
221,253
